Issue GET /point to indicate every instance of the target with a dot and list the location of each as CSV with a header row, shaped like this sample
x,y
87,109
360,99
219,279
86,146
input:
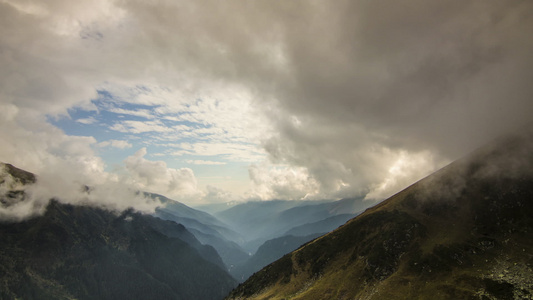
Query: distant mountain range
x,y
206,228
465,232
265,220
325,225
274,228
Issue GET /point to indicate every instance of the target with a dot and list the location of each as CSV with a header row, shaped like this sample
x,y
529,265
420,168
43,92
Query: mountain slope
x,y
270,251
193,218
88,253
174,230
231,253
465,232
206,228
325,225
80,252
12,182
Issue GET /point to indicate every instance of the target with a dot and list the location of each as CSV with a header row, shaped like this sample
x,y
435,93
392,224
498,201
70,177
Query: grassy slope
x,y
462,233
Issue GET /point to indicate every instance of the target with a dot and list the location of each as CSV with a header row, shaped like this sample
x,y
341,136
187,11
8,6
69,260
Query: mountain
x,y
81,252
12,182
325,225
88,253
213,208
269,252
274,228
248,213
206,228
304,215
262,221
231,253
19,175
193,218
173,230
464,232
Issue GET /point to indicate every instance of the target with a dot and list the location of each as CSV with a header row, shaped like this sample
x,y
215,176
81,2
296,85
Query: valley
x,y
66,251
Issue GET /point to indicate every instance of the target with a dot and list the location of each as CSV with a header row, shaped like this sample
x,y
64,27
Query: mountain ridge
x,y
85,252
262,221
464,232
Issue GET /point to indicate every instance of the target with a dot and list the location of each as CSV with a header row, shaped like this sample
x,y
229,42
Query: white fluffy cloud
x,y
65,166
87,121
115,144
220,113
281,182
138,113
156,177
205,162
218,195
407,168
140,127
230,151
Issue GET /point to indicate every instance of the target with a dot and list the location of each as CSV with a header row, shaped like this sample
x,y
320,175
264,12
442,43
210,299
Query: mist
x,y
23,200
508,158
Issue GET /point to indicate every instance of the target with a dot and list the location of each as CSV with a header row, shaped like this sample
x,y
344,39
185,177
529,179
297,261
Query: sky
x,y
215,101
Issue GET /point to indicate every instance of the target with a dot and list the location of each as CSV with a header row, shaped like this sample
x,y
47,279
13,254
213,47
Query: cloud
x,y
224,112
69,187
229,151
274,182
87,121
65,166
34,145
137,113
155,176
130,126
115,144
505,160
338,91
205,162
408,78
408,168
218,195
365,79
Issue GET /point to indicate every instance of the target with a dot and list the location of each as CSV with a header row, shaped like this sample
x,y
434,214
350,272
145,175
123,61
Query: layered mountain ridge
x,y
262,221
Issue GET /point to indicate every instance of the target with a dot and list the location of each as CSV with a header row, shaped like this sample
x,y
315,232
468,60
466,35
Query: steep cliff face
x,y
465,232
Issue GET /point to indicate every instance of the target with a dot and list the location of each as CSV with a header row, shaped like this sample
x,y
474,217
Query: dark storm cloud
x,y
369,79
420,72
